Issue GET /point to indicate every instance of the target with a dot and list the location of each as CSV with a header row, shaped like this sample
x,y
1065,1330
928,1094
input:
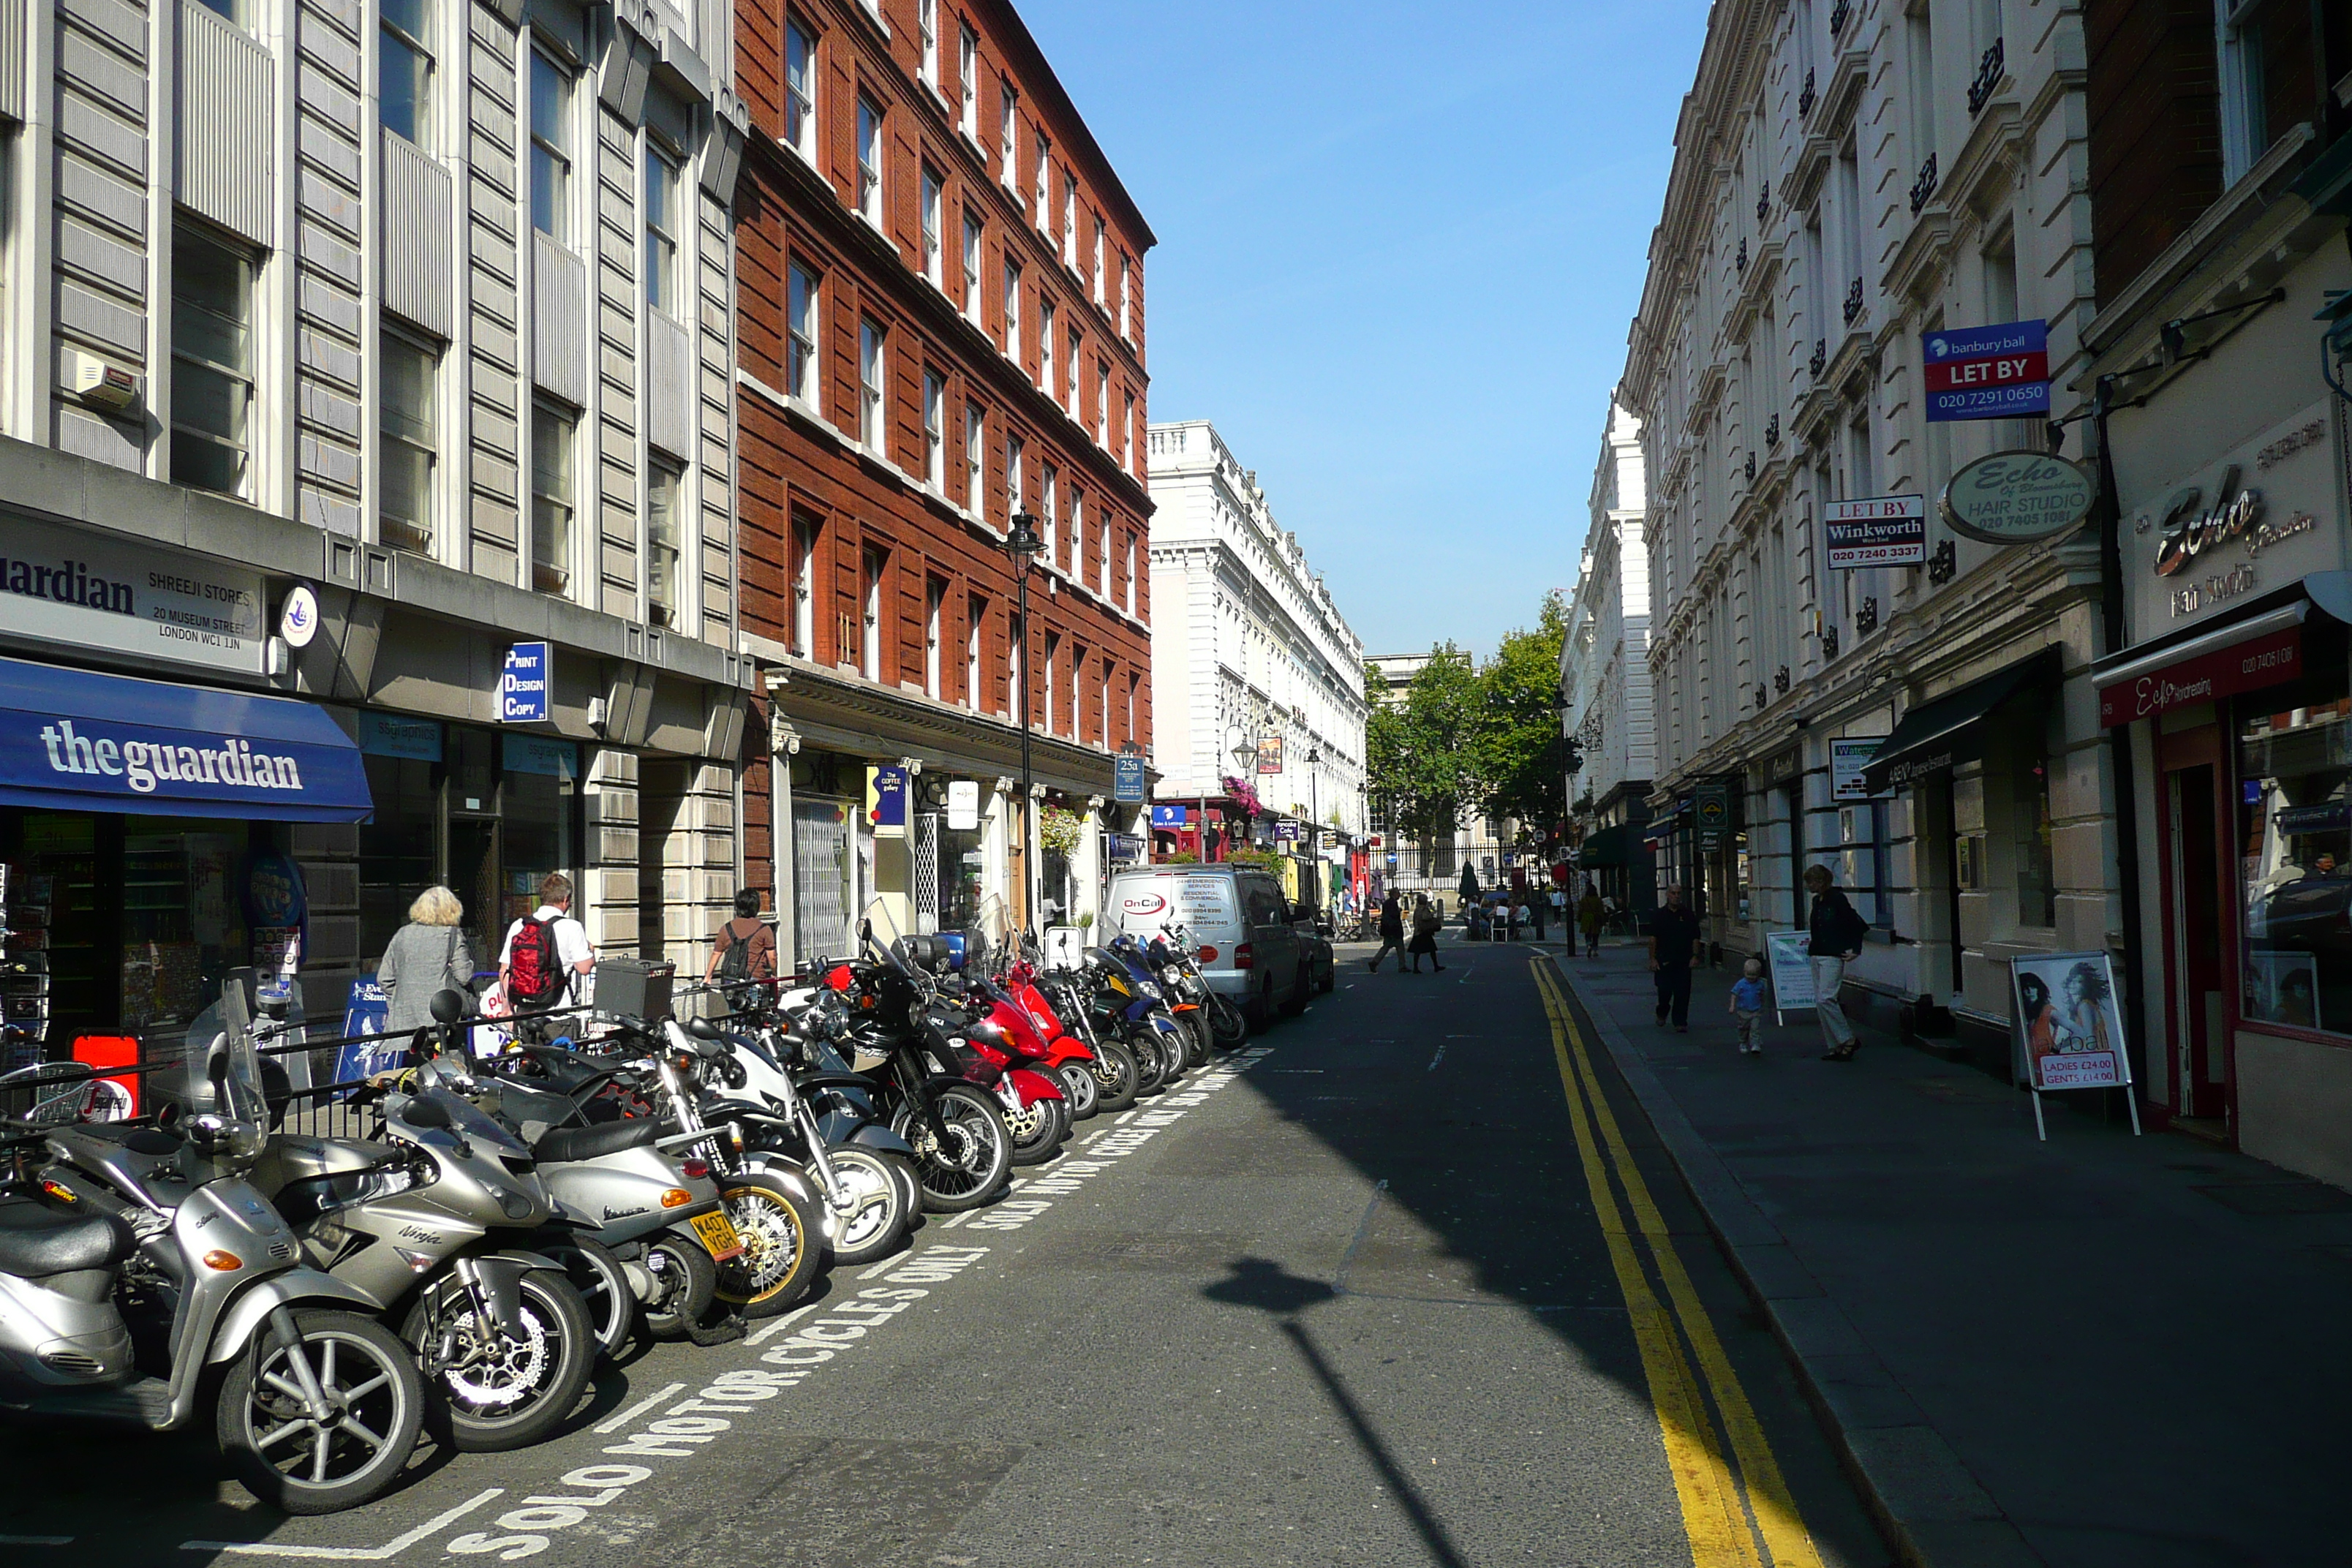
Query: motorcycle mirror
x,y
425,1113
449,1005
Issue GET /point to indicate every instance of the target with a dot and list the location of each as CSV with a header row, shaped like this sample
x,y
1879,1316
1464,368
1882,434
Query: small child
x,y
1748,1006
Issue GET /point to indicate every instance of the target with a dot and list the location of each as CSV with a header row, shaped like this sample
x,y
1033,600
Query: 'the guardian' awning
x,y
72,740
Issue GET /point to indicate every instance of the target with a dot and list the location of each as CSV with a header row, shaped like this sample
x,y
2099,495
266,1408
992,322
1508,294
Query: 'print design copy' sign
x,y
523,685
1988,373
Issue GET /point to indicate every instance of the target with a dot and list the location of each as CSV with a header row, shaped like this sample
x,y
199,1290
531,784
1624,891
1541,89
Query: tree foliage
x,y
1468,740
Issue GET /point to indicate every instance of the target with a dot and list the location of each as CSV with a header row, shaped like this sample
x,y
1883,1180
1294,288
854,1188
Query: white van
x,y
1240,924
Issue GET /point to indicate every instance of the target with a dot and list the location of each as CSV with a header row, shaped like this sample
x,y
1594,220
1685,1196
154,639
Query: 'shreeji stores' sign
x,y
92,590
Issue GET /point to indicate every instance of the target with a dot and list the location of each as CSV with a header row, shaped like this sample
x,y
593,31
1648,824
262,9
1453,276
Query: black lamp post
x,y
1022,543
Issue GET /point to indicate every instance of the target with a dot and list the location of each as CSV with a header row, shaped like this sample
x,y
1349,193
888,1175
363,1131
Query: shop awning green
x,y
1951,729
1606,847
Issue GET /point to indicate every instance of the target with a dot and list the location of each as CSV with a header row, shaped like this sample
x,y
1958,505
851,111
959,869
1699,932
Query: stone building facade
x,y
1604,677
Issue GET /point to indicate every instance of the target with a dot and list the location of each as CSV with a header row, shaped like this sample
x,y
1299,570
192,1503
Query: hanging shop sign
x,y
298,616
1986,373
2017,498
1847,759
1127,780
524,685
1168,816
1285,832
85,589
886,803
963,805
1269,755
1877,531
1711,807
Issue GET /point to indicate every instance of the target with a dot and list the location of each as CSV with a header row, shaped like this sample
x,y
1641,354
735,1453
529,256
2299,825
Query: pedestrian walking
x,y
1674,940
745,948
1589,913
1748,1006
1538,907
1560,910
1392,935
1424,936
546,962
1835,930
425,956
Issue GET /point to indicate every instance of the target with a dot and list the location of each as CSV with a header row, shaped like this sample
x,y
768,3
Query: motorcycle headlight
x,y
1150,990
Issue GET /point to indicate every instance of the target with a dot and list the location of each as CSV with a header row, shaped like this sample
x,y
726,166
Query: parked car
x,y
1246,940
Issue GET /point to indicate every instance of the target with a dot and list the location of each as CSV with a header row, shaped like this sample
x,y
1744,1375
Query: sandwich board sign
x,y
1789,956
2069,1031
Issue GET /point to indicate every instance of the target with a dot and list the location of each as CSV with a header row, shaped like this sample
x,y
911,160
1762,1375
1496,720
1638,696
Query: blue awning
x,y
72,740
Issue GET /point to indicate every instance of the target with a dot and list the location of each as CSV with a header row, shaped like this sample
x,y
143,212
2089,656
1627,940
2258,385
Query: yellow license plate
x,y
717,1235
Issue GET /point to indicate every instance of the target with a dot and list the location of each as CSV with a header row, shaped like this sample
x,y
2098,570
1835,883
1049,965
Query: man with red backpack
x,y
547,962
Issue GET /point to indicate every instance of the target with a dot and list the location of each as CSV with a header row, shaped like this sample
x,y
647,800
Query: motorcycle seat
x,y
571,1143
36,1240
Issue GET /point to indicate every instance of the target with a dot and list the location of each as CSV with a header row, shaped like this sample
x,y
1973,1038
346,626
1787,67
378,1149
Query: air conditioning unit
x,y
95,384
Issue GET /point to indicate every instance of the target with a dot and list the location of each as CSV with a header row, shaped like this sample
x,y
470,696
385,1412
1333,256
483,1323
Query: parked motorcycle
x,y
142,1261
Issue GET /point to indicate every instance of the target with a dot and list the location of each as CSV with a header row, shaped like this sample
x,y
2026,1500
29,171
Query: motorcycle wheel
x,y
1227,1028
1151,1064
510,1393
687,1281
1196,1045
1038,1131
1078,1083
601,1285
370,1378
1114,1075
864,1233
977,1159
780,1247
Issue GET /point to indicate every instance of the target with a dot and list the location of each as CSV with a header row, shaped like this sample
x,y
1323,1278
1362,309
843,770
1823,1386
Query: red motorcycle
x,y
1068,1058
1021,1062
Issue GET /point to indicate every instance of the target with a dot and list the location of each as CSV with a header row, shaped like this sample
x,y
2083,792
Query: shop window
x,y
538,819
397,856
2294,767
2037,892
212,363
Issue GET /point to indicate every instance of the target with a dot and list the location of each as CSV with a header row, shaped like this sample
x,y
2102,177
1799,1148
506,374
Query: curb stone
x,y
1926,1501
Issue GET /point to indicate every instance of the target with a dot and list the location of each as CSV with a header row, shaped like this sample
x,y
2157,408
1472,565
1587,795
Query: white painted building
x,y
1245,643
1604,672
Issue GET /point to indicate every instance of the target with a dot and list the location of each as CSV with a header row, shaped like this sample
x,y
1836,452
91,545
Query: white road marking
x,y
393,1547
769,1330
639,1408
1441,1054
36,1541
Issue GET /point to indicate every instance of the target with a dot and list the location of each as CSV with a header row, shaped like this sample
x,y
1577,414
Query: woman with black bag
x,y
427,954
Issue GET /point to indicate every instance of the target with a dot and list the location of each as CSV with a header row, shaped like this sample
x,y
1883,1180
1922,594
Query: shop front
x,y
147,831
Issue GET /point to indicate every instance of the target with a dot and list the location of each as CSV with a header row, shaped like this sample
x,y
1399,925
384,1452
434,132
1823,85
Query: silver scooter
x,y
141,1260
434,1227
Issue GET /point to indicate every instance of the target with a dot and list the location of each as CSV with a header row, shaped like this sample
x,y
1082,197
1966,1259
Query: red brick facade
x,y
867,453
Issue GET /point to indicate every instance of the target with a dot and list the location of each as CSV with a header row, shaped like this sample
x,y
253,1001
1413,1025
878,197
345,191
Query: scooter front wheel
x,y
1085,1098
601,1283
506,1391
881,1197
780,1246
279,1447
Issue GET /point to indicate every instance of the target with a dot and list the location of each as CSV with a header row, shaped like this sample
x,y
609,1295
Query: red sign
x,y
2247,667
2001,369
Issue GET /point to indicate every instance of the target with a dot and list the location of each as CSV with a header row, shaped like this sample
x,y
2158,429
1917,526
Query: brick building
x,y
940,322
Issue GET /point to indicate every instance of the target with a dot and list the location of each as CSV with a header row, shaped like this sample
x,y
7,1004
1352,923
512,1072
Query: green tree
x,y
1521,758
1420,751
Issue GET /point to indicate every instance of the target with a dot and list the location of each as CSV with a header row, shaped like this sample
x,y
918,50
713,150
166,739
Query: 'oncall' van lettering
x,y
140,763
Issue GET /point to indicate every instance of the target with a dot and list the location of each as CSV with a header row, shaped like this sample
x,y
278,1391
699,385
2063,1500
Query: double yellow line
x,y
1737,1512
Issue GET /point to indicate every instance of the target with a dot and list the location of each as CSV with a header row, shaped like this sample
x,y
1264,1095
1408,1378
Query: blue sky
x,y
1399,248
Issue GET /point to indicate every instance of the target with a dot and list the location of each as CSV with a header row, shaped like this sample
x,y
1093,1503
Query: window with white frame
x,y
935,599
1077,510
1053,487
1046,344
661,232
1126,318
934,266
975,616
1011,309
1045,173
1074,372
801,379
1077,694
403,72
869,160
212,363
2239,50
975,461
968,80
552,502
800,91
935,443
665,546
1131,574
870,654
551,148
1016,661
406,371
1105,704
1127,433
1015,454
971,266
1069,218
805,532
1008,114
1133,682
927,26
1101,238
1102,404
872,409
1053,656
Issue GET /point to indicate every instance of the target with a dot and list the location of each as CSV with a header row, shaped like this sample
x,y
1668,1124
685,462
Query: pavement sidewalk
x,y
2100,1352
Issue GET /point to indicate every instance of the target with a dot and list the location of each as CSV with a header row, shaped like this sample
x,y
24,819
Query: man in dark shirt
x,y
1674,940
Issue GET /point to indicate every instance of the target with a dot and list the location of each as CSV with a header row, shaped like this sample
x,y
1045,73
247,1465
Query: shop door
x,y
2195,969
474,876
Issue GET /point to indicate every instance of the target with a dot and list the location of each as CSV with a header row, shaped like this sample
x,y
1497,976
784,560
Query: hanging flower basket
x,y
1060,830
1244,793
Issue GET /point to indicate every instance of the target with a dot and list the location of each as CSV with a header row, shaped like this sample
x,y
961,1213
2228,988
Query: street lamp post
x,y
1244,761
1021,543
1315,824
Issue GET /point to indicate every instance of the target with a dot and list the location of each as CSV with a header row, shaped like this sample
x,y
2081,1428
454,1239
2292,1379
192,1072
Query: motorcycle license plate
x,y
719,1235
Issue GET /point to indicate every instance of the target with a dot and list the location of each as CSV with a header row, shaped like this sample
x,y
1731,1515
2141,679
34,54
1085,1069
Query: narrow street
x,y
1357,1294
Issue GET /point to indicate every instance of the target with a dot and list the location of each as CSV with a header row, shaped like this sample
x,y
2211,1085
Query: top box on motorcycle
x,y
634,988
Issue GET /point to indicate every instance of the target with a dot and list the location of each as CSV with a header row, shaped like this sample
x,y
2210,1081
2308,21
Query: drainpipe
x,y
2119,747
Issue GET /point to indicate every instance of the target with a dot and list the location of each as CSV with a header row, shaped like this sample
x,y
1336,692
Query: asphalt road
x,y
1375,1291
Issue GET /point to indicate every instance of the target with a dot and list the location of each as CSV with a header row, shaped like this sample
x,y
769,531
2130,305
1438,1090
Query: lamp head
x,y
1022,541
